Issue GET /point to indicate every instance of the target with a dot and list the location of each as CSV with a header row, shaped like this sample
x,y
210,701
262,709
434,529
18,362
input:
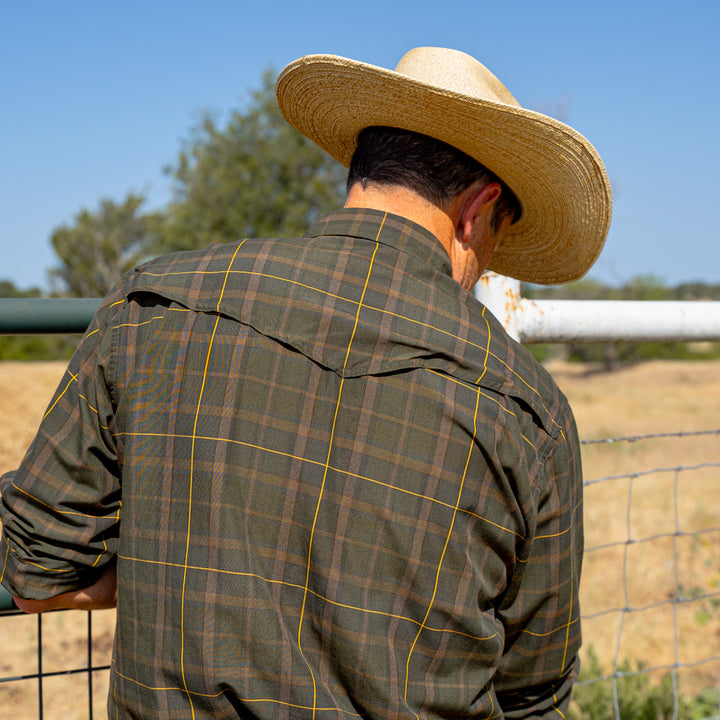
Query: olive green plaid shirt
x,y
334,486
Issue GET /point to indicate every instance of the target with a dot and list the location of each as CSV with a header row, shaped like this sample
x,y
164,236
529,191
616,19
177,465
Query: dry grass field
x,y
668,514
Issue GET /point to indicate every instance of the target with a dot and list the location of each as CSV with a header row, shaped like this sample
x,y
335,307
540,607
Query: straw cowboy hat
x,y
555,172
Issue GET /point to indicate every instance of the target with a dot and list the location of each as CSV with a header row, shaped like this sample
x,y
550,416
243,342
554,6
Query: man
x,y
331,483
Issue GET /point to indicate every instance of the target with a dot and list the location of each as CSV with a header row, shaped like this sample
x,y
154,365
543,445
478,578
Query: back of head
x,y
433,169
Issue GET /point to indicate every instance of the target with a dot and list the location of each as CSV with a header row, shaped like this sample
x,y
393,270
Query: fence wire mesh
x,y
55,665
651,581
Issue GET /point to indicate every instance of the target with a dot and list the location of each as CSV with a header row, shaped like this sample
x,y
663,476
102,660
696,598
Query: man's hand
x,y
98,596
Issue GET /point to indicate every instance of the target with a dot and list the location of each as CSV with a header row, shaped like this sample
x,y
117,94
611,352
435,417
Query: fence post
x,y
501,295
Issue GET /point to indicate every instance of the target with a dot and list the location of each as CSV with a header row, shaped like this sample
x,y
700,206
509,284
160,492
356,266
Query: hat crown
x,y
455,71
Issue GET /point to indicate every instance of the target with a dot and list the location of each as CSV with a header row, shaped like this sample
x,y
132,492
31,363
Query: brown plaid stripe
x,y
342,489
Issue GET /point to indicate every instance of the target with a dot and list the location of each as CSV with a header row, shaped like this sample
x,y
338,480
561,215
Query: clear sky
x,y
97,97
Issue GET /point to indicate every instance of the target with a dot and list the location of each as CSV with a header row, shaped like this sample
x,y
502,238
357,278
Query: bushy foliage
x,y
635,695
100,246
256,177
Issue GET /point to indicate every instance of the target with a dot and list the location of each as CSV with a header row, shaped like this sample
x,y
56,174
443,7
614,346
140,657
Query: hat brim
x,y
555,172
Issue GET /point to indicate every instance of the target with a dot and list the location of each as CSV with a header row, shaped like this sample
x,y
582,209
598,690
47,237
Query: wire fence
x,y
38,686
651,601
651,587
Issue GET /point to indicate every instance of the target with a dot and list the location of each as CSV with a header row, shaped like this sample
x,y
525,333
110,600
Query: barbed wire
x,y
652,471
652,436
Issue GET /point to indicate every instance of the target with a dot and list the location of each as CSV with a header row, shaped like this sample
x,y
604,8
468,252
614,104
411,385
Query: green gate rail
x,y
34,316
6,602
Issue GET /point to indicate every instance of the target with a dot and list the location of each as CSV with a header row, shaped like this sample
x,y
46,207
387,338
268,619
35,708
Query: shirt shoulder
x,y
359,303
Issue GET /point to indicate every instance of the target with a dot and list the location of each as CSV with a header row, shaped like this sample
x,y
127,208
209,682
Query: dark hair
x,y
433,169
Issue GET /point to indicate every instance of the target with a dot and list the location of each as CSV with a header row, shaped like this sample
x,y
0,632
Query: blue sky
x,y
97,97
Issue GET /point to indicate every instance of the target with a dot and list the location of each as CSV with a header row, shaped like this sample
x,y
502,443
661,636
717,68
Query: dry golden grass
x,y
652,398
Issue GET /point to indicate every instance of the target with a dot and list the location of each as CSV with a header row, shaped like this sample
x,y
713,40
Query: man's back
x,y
332,474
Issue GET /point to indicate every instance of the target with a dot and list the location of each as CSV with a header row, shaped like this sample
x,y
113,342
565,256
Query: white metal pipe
x,y
532,321
617,320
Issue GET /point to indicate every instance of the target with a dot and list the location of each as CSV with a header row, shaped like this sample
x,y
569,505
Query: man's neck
x,y
407,204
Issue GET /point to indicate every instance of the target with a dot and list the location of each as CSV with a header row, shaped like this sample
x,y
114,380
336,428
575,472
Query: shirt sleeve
x,y
60,509
541,613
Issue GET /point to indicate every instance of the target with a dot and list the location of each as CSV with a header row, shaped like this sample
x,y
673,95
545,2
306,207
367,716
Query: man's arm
x,y
542,613
100,595
60,510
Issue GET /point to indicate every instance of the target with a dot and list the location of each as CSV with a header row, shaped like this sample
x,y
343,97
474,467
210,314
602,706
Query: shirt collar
x,y
394,231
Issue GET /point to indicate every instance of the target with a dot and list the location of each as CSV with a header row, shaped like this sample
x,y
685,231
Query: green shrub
x,y
638,696
37,347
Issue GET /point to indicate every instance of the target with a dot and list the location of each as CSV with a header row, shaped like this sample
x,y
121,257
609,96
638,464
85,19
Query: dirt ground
x,y
652,514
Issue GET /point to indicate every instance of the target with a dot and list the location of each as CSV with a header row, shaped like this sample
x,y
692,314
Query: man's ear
x,y
477,203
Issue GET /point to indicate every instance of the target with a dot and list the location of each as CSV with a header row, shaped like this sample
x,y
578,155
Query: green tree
x,y
646,287
8,290
583,289
697,291
256,177
100,246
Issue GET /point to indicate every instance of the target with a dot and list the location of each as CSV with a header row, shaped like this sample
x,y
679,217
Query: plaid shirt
x,y
334,486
